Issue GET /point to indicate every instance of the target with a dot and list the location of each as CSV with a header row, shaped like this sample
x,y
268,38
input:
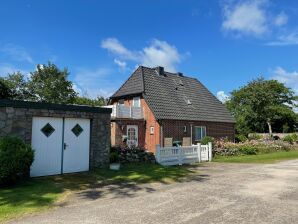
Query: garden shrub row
x,y
251,147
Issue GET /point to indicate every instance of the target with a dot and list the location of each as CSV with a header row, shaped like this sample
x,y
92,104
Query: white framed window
x,y
200,132
136,102
151,130
184,129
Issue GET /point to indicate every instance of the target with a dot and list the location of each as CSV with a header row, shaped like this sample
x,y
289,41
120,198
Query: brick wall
x,y
146,139
151,139
119,127
174,129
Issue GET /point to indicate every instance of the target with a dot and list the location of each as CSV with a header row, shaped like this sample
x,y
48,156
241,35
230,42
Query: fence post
x,y
180,155
210,151
157,152
199,152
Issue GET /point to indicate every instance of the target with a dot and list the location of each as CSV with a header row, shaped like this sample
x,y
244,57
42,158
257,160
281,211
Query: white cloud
x,y
16,52
222,96
115,47
246,17
290,79
281,19
157,53
94,83
284,40
121,64
161,53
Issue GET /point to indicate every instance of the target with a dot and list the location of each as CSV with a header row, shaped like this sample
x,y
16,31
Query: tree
x,y
5,92
81,100
17,85
261,104
50,84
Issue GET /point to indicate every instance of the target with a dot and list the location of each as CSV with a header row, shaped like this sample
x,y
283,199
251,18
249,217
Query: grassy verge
x,y
260,158
39,194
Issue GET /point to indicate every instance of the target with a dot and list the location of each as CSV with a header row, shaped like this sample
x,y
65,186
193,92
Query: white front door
x,y
47,144
61,145
132,135
76,145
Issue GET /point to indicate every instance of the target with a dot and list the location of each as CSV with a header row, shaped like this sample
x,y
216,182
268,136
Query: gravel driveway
x,y
221,193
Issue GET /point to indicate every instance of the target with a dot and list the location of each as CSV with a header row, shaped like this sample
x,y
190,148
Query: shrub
x,y
254,136
114,157
16,158
291,138
207,139
248,150
241,138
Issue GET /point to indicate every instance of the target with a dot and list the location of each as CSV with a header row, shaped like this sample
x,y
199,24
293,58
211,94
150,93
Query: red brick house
x,y
154,104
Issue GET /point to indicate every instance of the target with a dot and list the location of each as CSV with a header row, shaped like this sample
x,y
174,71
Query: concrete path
x,y
222,193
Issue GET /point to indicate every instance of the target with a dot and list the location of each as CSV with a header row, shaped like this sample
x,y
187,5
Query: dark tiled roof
x,y
133,85
175,97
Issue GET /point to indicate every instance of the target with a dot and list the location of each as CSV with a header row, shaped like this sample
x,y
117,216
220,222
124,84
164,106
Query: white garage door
x,y
76,139
61,145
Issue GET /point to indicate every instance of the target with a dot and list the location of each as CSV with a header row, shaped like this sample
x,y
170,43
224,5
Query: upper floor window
x,y
121,102
136,102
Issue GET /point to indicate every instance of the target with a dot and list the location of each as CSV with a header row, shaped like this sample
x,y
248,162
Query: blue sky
x,y
223,43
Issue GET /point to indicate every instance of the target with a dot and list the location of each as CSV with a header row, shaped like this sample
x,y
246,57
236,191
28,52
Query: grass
x,y
38,194
259,158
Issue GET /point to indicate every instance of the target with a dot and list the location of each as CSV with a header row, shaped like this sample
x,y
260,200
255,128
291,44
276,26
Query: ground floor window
x,y
200,132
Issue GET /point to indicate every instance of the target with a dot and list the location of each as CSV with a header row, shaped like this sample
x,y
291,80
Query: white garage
x,y
61,145
66,138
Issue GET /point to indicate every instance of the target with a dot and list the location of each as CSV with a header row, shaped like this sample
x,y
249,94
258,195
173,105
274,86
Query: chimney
x,y
180,74
160,71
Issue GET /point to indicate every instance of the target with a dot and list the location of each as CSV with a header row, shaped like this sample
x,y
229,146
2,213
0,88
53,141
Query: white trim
x,y
132,142
151,130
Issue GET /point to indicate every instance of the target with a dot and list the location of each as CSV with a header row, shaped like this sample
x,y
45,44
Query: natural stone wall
x,y
18,122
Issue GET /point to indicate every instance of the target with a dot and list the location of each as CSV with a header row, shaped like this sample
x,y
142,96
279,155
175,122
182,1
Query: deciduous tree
x,y
262,105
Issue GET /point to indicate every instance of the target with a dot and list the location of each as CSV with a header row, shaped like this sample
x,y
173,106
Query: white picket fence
x,y
183,155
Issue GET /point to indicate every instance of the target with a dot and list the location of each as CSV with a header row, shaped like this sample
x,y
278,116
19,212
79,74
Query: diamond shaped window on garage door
x,y
47,130
77,130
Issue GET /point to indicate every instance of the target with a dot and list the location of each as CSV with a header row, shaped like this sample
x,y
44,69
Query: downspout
x,y
161,134
191,133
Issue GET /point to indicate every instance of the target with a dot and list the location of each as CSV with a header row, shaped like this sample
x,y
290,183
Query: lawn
x,y
260,158
38,194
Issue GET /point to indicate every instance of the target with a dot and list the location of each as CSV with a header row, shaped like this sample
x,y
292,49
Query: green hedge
x,y
16,158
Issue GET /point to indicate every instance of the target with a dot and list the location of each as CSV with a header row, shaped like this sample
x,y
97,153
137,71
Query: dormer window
x,y
136,102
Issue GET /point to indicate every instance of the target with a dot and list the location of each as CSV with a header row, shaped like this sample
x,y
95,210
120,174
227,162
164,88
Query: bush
x,y
206,140
16,158
248,150
291,138
241,138
254,136
114,157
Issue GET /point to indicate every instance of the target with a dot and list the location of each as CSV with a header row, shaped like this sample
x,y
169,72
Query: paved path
x,y
223,193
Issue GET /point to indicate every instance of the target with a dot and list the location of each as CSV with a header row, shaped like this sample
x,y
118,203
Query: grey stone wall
x,y
18,122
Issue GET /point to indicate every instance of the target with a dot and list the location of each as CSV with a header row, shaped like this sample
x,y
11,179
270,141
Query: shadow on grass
x,y
38,193
132,179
